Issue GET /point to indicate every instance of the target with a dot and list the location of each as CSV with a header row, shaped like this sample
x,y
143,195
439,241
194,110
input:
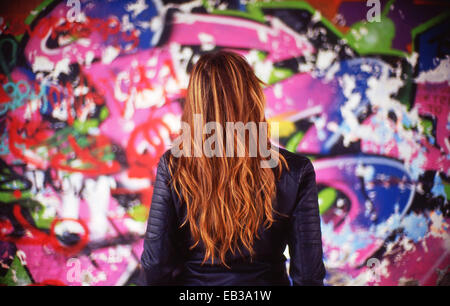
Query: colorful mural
x,y
91,95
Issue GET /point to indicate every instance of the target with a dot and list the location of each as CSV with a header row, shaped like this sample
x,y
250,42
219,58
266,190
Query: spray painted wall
x,y
91,95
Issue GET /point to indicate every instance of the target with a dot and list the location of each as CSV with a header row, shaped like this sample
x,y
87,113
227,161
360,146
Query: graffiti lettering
x,y
92,94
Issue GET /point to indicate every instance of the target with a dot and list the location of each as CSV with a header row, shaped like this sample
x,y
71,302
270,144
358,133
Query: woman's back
x,y
168,259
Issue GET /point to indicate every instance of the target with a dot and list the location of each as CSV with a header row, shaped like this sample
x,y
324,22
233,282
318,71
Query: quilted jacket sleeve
x,y
305,241
158,257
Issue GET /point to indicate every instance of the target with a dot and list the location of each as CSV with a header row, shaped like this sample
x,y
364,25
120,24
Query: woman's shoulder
x,y
165,155
296,161
164,160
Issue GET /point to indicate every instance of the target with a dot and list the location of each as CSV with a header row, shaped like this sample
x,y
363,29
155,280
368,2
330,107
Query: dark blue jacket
x,y
167,260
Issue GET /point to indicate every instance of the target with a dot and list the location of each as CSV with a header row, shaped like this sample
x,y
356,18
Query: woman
x,y
223,217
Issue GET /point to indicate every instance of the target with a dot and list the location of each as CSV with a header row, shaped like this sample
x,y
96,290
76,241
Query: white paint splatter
x,y
109,54
42,63
135,227
262,35
438,226
278,90
325,58
207,41
97,194
126,24
61,67
316,17
71,187
89,58
367,172
439,74
136,8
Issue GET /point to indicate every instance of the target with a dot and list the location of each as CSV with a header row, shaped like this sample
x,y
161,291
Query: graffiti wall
x,y
91,95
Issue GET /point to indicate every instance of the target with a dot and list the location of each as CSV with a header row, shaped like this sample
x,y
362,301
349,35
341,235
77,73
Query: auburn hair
x,y
227,198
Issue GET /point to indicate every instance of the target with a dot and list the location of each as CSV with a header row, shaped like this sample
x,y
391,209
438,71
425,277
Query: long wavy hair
x,y
227,198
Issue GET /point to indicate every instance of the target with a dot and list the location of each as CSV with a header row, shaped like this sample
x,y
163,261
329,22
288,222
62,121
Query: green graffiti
x,y
84,126
372,37
60,136
447,189
293,142
427,127
327,197
42,217
17,275
104,113
279,74
7,190
138,213
406,93
79,132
